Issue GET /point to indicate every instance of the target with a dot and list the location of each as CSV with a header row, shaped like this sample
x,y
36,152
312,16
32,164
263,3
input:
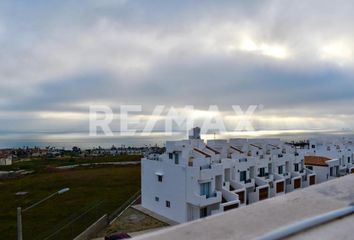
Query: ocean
x,y
67,140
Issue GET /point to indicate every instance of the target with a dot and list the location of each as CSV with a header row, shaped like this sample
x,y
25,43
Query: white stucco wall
x,y
172,188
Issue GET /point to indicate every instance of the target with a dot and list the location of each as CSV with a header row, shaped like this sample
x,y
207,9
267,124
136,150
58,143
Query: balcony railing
x,y
242,160
210,195
205,167
265,175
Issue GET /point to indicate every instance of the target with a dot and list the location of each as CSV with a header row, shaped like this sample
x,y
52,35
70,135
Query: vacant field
x,y
93,192
42,163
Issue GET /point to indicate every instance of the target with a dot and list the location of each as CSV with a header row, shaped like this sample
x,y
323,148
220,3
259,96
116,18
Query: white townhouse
x,y
185,183
330,158
194,179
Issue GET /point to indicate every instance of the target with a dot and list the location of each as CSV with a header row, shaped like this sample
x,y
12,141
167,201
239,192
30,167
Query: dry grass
x,y
108,187
133,220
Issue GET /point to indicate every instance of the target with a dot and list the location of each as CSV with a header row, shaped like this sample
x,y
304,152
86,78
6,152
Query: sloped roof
x,y
212,149
253,145
201,152
316,160
236,149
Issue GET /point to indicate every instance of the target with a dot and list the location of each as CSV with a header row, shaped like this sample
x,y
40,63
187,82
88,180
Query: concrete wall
x,y
322,173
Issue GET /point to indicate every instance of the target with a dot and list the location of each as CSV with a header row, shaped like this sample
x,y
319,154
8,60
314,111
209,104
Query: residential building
x,y
5,159
193,179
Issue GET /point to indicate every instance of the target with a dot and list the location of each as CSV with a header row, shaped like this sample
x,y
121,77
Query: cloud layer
x,y
294,57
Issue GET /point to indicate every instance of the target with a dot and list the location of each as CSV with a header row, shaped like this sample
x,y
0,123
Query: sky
x,y
293,58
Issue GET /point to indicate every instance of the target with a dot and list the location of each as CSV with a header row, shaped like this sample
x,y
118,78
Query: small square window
x,y
168,204
157,199
159,178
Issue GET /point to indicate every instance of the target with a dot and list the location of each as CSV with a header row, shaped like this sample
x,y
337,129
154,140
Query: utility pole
x,y
19,211
19,223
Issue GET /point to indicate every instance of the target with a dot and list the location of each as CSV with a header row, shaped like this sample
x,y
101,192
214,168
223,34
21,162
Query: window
x,y
243,175
331,171
159,178
170,155
190,162
348,159
296,167
262,172
313,146
310,167
280,169
157,199
205,189
176,158
168,204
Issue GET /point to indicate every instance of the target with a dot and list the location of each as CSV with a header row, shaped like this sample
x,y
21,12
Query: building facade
x,y
194,179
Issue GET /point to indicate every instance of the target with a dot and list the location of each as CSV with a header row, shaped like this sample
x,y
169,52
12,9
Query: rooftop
x,y
316,160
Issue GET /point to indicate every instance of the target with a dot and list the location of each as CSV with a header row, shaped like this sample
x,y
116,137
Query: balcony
x,y
242,160
267,177
249,183
236,187
286,175
211,195
230,200
208,166
210,171
205,200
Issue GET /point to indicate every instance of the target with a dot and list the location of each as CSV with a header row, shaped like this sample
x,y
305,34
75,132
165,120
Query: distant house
x,y
114,151
324,167
37,152
5,159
